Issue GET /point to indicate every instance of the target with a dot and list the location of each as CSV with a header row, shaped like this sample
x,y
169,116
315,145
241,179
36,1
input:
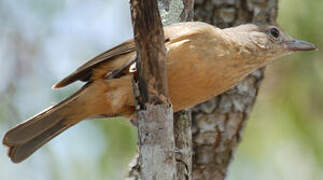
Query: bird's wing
x,y
83,73
173,33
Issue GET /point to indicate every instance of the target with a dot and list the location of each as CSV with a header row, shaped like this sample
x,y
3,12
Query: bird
x,y
203,61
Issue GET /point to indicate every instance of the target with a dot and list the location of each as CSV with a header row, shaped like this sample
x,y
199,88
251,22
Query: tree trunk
x,y
218,123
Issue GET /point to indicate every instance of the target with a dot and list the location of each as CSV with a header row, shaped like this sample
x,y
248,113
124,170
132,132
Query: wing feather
x,y
83,73
173,33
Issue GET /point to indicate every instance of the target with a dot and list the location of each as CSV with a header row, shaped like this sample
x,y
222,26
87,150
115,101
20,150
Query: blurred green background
x,y
42,41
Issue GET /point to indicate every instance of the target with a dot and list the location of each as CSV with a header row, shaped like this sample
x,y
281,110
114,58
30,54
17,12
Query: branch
x,y
155,115
175,11
183,143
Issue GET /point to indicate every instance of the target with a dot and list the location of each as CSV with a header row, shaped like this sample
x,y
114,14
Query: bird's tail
x,y
27,137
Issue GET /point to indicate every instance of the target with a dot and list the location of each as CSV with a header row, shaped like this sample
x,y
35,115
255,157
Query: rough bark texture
x,y
218,123
183,143
173,11
155,114
156,143
188,11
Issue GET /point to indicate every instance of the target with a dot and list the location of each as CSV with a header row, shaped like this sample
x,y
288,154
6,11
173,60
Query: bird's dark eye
x,y
274,32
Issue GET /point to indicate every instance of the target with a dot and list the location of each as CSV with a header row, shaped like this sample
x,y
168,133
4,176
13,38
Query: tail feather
x,y
27,137
20,152
32,128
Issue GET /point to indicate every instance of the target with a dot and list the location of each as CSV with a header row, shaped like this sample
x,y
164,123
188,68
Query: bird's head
x,y
269,41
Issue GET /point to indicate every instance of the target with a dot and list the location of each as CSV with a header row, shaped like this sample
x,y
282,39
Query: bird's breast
x,y
198,72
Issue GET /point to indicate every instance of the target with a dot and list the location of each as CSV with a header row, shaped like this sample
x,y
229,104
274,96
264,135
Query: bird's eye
x,y
274,32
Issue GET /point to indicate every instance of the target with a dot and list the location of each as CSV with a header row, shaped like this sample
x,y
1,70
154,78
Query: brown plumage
x,y
202,62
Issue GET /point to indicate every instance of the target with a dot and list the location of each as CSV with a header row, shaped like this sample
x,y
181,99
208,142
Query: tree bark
x,y
173,11
218,124
183,143
155,114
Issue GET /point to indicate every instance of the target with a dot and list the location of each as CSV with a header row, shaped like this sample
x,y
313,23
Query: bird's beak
x,y
298,45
